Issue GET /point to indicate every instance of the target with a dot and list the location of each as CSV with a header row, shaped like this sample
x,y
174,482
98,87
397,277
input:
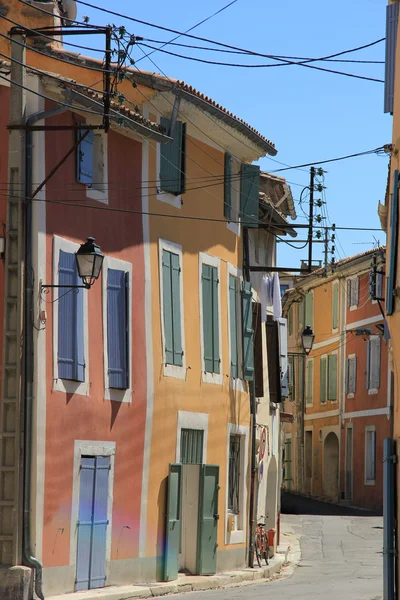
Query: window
x,y
273,363
335,305
309,309
370,454
71,355
210,319
284,287
352,292
92,164
373,363
171,288
173,159
234,474
332,377
323,379
249,195
233,326
192,446
351,375
310,381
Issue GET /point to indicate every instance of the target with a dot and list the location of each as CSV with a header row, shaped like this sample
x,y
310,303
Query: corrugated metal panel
x,y
392,18
192,446
117,323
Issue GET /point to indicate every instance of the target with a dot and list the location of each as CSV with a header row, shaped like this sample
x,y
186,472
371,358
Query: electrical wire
x,y
321,162
34,6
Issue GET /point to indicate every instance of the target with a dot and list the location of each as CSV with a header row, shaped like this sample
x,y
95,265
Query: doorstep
x,y
288,552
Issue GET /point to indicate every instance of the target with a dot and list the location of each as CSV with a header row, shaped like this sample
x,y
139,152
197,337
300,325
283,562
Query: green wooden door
x,y
173,522
208,520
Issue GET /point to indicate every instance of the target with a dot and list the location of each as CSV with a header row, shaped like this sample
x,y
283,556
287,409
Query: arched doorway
x,y
271,499
331,465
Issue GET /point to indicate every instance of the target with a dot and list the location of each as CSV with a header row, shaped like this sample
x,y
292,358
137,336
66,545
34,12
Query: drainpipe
x,y
28,356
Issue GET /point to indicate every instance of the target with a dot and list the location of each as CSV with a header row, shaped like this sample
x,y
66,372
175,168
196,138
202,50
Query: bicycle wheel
x,y
265,548
257,549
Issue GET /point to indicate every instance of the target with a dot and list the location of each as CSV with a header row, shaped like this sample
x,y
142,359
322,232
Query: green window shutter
x,y
167,308
248,333
210,319
310,380
335,306
172,160
393,240
228,186
176,309
309,310
322,380
332,377
192,446
233,324
249,194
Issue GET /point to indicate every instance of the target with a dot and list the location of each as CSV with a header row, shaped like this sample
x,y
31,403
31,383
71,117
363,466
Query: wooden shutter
x,y
84,158
332,377
71,361
258,351
117,329
167,308
309,309
192,446
172,159
351,373
173,522
248,333
323,379
176,309
349,293
273,359
283,356
392,17
228,186
310,381
335,305
356,291
249,195
393,240
374,363
210,319
233,325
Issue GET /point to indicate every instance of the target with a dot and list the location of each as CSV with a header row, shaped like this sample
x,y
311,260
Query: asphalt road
x,y
341,558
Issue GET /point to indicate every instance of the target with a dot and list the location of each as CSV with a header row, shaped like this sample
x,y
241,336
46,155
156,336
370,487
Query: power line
x,y
321,162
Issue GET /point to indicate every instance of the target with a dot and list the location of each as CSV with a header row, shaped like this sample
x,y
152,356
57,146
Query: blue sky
x,y
309,115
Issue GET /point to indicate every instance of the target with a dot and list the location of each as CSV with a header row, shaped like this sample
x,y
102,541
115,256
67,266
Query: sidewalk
x,y
288,553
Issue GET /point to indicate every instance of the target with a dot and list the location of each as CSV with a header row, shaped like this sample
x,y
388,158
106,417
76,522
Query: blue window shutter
x,y
71,359
84,161
167,308
86,492
100,523
392,18
248,333
176,309
117,325
173,159
393,240
233,326
249,195
228,186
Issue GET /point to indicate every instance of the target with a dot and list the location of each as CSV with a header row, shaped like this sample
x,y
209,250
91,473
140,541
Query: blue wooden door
x,y
173,524
208,520
92,523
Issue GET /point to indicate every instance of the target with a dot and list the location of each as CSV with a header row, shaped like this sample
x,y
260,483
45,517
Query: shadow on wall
x,y
162,510
271,504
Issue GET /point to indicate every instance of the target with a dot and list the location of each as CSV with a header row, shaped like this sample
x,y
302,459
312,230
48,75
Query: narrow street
x,y
341,557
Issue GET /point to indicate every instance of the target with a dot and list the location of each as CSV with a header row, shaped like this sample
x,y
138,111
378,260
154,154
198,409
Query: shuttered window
x,y
247,331
310,381
332,377
249,195
335,306
370,454
233,325
351,375
283,356
309,310
192,446
352,291
84,158
392,18
71,355
323,379
273,359
171,282
118,328
393,241
234,474
373,363
172,159
258,351
210,283
228,186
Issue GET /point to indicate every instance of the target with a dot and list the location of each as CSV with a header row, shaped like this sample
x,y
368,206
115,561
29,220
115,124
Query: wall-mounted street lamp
x,y
89,261
307,339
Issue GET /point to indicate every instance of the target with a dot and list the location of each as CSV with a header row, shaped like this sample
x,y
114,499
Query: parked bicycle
x,y
261,547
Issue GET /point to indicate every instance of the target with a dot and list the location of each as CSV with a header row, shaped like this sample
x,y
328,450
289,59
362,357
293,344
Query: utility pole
x,y
311,219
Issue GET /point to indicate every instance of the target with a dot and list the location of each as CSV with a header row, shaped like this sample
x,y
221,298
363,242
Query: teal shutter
x,y
332,377
248,333
322,380
171,273
192,446
310,380
391,280
208,520
173,159
392,19
335,306
210,284
117,328
228,186
173,522
84,158
309,309
249,195
233,325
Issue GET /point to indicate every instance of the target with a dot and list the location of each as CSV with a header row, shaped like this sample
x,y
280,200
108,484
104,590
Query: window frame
x,y
239,532
69,386
367,480
176,371
236,383
116,394
211,261
96,191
